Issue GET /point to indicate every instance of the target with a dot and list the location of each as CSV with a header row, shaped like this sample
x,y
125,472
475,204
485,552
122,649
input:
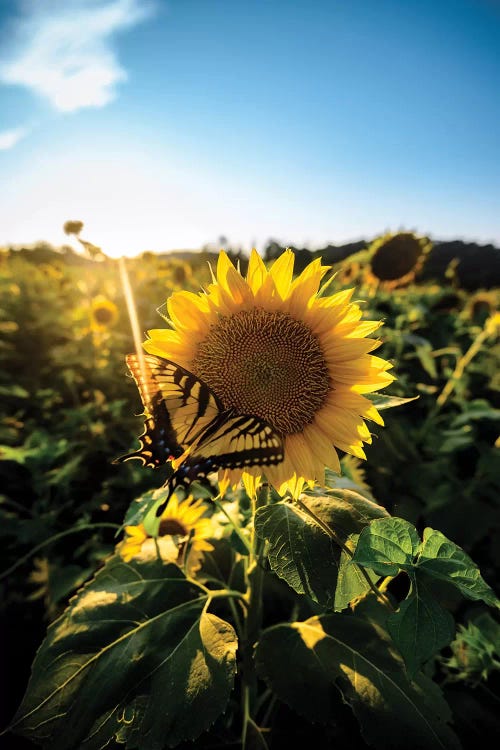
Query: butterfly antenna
x,y
134,321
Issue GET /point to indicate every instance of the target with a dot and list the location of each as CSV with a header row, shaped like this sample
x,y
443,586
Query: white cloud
x,y
9,138
63,50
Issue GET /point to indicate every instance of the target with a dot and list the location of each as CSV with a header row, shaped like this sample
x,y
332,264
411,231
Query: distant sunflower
x,y
103,313
176,272
481,305
395,259
182,530
272,347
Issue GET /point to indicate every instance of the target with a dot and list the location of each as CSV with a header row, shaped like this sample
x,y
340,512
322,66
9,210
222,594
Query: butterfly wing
x,y
177,407
232,441
187,422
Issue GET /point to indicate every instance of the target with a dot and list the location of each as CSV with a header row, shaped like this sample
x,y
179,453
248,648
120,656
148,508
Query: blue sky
x,y
165,124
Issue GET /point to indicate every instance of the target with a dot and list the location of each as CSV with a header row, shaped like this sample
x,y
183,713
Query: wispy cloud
x,y
9,138
63,49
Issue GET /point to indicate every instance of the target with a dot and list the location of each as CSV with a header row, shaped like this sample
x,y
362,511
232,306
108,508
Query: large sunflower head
x,y
182,536
281,349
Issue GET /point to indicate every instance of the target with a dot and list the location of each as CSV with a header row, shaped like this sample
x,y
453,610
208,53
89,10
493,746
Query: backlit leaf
x,y
306,556
134,656
350,654
387,545
443,559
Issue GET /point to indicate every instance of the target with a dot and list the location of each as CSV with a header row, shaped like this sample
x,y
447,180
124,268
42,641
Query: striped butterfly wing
x,y
232,441
177,406
186,421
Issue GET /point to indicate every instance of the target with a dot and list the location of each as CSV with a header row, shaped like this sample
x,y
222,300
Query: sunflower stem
x,y
460,366
333,534
253,623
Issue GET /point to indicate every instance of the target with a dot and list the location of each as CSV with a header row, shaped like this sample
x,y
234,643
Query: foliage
x,y
362,613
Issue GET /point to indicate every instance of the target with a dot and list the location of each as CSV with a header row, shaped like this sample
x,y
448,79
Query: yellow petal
x,y
282,272
304,287
257,271
322,447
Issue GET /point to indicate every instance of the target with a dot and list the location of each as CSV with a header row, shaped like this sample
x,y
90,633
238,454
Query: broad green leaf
x,y
135,655
387,545
443,559
306,556
421,627
385,401
345,510
350,654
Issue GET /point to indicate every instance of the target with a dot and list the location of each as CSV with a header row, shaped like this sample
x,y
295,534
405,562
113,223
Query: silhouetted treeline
x,y
478,266
474,266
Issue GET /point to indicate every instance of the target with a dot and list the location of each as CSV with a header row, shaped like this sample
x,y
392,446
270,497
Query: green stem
x,y
462,363
253,623
333,535
54,538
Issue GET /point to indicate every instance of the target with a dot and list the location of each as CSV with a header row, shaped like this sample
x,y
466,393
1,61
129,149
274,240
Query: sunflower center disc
x,y
103,315
267,364
173,527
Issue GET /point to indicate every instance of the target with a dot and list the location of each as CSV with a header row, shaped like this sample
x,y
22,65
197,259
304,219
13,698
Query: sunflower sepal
x,y
387,401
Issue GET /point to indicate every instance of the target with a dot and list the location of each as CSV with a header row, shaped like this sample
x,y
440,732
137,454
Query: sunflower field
x,y
271,520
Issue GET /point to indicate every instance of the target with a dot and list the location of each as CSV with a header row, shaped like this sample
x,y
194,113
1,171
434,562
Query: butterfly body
x,y
187,424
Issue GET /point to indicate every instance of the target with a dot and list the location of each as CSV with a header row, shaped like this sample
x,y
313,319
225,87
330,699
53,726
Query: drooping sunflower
x,y
103,313
481,305
278,348
395,259
182,529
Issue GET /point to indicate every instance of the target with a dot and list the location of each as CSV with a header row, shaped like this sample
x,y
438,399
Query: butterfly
x,y
187,424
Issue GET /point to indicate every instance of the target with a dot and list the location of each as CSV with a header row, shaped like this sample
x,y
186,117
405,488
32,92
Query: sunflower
x,y
395,259
103,313
276,348
481,305
182,530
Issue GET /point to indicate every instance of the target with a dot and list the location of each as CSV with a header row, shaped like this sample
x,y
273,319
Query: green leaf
x,y
387,545
352,655
134,656
13,391
385,401
421,627
306,556
443,559
345,510
143,506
